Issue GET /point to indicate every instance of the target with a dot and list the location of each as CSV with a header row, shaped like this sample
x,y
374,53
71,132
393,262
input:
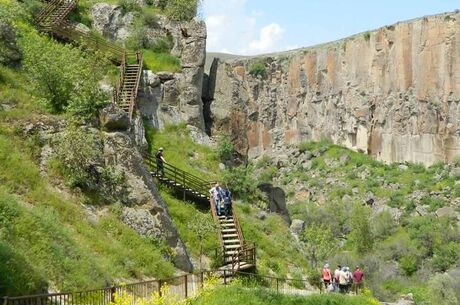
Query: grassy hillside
x,y
50,237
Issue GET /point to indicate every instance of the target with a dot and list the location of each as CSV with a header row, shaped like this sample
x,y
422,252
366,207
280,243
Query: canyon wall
x,y
393,93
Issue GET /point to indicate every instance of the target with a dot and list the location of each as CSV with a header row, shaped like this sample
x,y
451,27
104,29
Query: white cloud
x,y
269,36
231,27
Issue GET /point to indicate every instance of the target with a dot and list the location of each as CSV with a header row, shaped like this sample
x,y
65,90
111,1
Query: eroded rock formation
x,y
393,93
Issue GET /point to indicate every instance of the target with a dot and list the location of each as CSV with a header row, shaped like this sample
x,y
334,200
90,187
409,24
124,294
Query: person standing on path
x,y
326,276
358,279
336,278
343,281
160,162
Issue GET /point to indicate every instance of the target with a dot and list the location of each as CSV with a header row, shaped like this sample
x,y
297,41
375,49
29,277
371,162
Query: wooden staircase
x,y
191,186
234,253
52,19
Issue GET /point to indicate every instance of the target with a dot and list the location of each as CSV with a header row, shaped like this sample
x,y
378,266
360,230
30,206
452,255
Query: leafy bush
x,y
445,256
150,19
9,51
319,242
360,236
181,10
225,147
408,264
257,69
444,290
66,78
367,36
162,44
129,6
79,153
241,182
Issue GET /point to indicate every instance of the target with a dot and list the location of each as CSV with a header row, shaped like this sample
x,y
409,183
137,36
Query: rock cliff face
x,y
393,93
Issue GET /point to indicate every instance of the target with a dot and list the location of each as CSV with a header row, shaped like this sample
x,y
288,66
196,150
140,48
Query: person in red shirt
x,y
327,276
358,279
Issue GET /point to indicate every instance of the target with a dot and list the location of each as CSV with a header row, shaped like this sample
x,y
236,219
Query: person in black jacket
x,y
160,161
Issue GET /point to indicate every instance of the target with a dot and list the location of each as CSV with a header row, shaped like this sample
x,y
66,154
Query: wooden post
x,y
225,277
159,287
277,286
113,290
186,286
5,300
202,281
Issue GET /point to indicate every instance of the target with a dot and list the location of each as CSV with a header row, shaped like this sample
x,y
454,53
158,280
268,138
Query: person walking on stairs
x,y
216,193
227,197
160,162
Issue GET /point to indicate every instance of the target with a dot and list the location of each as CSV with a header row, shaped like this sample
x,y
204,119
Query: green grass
x,y
181,151
236,295
161,62
48,235
182,214
276,248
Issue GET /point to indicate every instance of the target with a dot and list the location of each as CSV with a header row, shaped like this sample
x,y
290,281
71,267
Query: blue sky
x,y
249,27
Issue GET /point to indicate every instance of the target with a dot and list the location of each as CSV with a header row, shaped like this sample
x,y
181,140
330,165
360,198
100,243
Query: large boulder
x,y
9,51
277,200
113,118
144,210
110,21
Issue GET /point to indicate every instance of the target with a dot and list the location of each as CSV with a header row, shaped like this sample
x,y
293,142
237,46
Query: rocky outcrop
x,y
143,210
163,97
113,118
393,93
276,200
176,97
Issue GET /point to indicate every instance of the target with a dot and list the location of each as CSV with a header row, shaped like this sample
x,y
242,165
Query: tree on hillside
x,y
201,226
361,235
319,242
66,78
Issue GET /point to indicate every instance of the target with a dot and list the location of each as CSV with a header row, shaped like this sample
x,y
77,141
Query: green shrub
x,y
161,62
408,264
445,256
162,44
444,290
66,78
257,69
241,182
129,6
181,10
79,154
151,19
360,236
225,147
367,36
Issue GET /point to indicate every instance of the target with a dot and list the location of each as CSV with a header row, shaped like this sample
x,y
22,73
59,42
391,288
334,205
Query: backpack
x,y
158,155
226,196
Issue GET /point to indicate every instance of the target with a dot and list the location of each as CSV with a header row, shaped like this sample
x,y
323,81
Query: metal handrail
x,y
179,176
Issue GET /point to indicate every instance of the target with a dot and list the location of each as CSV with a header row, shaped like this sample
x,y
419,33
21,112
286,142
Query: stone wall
x,y
393,93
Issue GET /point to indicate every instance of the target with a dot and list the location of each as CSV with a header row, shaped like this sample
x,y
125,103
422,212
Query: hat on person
x,y
326,265
161,148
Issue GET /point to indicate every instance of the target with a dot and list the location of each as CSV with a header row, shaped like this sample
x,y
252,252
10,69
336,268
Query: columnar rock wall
x,y
393,93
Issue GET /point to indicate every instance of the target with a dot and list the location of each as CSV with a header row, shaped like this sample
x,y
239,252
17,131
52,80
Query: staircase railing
x,y
246,254
180,177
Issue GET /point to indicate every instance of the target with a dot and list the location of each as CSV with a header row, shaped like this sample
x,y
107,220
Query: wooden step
x,y
229,235
232,247
227,224
231,241
229,253
228,230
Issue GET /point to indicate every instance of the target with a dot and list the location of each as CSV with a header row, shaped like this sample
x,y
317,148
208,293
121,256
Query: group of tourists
x,y
342,280
222,196
222,199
